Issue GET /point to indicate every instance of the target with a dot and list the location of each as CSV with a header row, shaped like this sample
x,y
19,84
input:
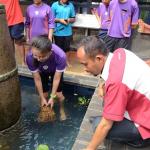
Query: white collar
x,y
105,71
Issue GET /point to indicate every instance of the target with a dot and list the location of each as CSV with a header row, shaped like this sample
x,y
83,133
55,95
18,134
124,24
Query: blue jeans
x,y
123,132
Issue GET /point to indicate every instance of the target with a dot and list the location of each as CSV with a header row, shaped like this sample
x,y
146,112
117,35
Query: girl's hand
x,y
43,102
51,102
63,21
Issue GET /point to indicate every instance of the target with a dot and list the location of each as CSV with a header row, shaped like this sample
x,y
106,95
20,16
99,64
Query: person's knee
x,y
20,41
60,96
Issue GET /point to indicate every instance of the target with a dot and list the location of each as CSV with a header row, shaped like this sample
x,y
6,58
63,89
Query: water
x,y
28,134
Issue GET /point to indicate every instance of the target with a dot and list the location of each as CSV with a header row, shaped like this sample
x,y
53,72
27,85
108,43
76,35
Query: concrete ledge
x,y
69,76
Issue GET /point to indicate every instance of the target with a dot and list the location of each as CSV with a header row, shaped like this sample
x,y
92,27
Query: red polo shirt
x,y
13,11
127,90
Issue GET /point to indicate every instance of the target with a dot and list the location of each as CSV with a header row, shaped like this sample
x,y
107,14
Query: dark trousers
x,y
115,43
123,132
63,42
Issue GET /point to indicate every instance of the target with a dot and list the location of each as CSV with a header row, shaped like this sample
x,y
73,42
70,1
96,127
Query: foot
x,y
23,64
62,116
69,65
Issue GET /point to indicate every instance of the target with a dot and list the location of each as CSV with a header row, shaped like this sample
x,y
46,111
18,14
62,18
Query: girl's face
x,y
64,1
122,1
106,2
37,2
41,57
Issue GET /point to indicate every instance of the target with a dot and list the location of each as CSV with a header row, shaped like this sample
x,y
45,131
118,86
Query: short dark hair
x,y
93,45
42,43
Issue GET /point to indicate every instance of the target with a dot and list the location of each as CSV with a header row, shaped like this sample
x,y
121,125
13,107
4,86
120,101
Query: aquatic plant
x,y
83,101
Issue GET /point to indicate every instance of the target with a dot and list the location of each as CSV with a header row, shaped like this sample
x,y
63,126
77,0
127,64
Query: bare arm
x,y
27,34
56,81
133,26
50,34
100,134
71,20
61,21
38,84
94,12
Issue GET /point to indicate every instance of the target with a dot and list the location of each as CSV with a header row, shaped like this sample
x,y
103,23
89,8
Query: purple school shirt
x,y
39,19
56,62
122,15
102,11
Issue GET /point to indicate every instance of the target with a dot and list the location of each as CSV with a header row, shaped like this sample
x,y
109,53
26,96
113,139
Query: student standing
x,y
64,17
124,16
39,20
15,23
102,16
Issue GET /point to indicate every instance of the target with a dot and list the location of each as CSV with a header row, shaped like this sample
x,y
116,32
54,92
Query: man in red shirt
x,y
126,112
15,24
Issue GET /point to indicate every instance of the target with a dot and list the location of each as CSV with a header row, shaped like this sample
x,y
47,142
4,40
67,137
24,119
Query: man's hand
x,y
101,89
51,102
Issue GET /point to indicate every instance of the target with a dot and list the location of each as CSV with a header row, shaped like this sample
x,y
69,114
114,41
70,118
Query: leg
x,y
103,34
60,98
110,43
17,33
67,41
122,43
45,86
124,132
59,41
21,50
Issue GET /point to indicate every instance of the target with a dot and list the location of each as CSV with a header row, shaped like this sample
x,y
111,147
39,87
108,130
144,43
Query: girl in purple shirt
x,y
102,16
124,17
39,20
47,60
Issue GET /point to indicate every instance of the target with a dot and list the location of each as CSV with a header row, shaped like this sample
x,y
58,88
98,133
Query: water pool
x,y
28,133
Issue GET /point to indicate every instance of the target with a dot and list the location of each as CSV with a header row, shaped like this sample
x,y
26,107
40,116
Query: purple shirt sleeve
x,y
61,64
99,10
30,63
51,20
60,58
27,18
135,14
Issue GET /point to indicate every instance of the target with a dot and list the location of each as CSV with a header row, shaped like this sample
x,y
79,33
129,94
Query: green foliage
x,y
82,101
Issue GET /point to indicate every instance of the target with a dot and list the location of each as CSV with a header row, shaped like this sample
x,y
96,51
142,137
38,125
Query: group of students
x,y
126,112
117,19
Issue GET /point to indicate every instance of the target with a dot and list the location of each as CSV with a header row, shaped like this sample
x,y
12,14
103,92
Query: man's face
x,y
92,65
